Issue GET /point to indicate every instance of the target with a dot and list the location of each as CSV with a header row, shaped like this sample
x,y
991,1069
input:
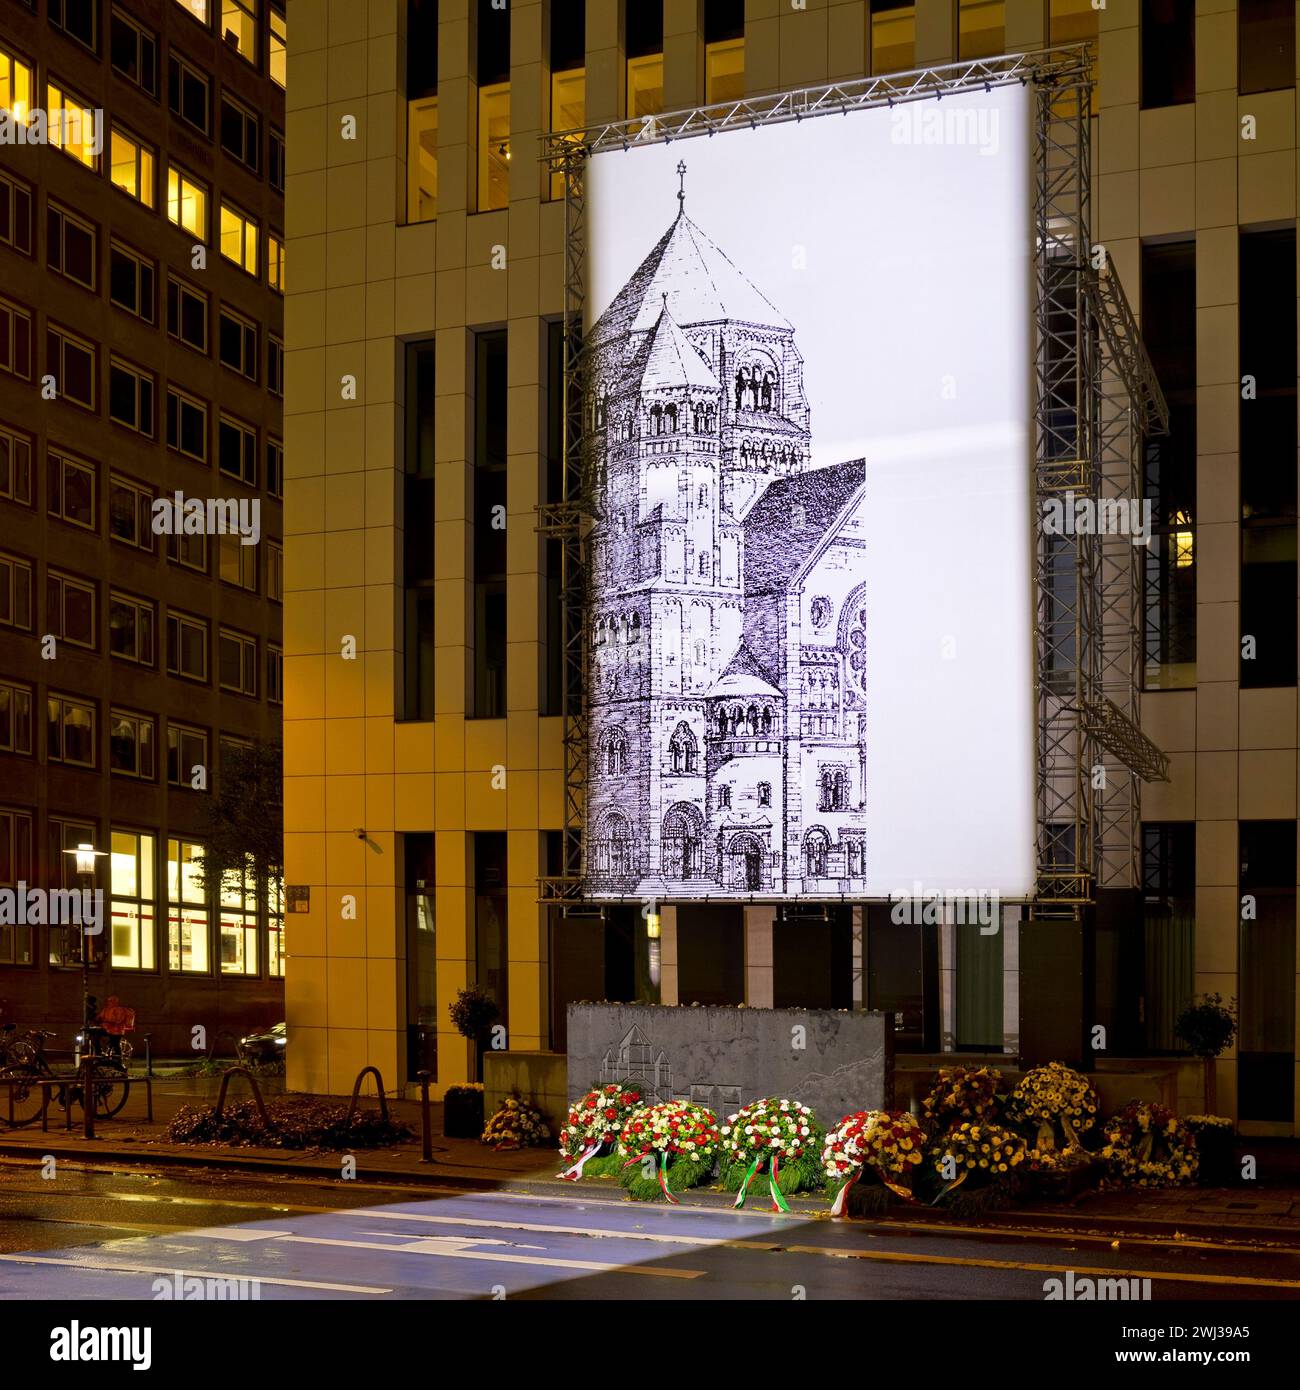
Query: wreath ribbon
x,y
744,1188
574,1171
837,1206
663,1177
773,1182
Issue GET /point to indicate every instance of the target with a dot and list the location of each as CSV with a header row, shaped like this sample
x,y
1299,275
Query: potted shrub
x,y
1216,1143
473,1013
1208,1026
462,1112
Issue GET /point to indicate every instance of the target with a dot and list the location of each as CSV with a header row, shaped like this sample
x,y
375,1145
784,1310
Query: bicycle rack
x,y
356,1089
257,1094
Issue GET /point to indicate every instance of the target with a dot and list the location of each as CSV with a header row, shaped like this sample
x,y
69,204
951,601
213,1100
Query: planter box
x,y
462,1114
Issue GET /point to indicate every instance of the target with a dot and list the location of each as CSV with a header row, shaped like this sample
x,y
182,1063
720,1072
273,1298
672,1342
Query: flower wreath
x,y
1147,1145
771,1133
888,1142
594,1123
1056,1105
678,1140
963,1093
977,1149
516,1125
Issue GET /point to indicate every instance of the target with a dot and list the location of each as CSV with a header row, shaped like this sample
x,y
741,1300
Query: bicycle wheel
x,y
28,1097
110,1093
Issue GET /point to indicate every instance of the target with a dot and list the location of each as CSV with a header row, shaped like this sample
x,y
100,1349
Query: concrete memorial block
x,y
835,1061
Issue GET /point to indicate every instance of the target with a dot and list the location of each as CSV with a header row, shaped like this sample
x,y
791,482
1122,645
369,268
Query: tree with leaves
x,y
244,833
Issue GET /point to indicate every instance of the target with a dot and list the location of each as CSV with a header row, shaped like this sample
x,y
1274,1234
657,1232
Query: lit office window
x,y
1168,299
421,110
645,58
187,202
422,160
131,866
239,926
568,110
275,262
724,50
198,8
893,35
275,927
981,28
187,909
73,126
239,27
238,238
494,146
131,166
16,81
1075,21
277,60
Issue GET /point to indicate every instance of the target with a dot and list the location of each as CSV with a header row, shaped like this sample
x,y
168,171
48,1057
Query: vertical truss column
x,y
567,522
1066,565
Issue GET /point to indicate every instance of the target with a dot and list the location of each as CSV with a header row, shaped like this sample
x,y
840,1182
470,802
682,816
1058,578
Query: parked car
x,y
262,1048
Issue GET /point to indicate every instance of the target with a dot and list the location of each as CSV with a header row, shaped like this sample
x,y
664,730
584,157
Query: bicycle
x,y
26,1102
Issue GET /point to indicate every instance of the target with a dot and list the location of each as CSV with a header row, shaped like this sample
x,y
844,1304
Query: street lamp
x,y
85,855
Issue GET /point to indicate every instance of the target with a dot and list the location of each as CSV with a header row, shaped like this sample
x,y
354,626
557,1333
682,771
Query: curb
x,y
484,1180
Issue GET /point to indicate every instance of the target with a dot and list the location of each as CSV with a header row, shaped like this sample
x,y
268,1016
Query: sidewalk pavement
x,y
1267,1212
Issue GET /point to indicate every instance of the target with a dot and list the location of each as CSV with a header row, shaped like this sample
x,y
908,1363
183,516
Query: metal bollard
x,y
87,1098
148,1054
426,1125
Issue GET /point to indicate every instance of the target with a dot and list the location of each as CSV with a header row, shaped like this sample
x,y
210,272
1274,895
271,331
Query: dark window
x,y
237,451
489,525
76,18
187,315
70,490
72,363
553,552
130,282
134,52
1266,1042
645,27
275,366
130,513
1265,45
1268,449
130,397
723,19
418,525
421,48
15,214
275,160
274,467
1169,466
70,245
1168,36
1168,929
187,92
568,34
237,344
490,918
493,50
187,426
239,132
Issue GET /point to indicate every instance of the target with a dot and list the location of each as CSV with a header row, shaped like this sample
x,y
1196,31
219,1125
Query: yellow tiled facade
x,y
361,282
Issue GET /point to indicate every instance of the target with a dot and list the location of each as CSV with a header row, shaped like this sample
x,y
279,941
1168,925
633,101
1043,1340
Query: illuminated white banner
x,y
811,616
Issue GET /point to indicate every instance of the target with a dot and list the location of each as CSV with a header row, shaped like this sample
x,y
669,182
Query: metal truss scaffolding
x,y
1096,396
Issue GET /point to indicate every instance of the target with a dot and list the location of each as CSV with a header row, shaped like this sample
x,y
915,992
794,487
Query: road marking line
x,y
171,1270
542,1228
434,1245
898,1257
